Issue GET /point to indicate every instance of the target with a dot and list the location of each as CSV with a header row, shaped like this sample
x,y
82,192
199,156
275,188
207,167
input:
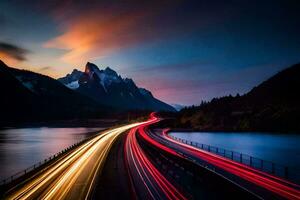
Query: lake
x,y
280,148
23,147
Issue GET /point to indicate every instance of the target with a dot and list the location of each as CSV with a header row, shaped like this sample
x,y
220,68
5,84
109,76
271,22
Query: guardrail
x,y
33,167
257,163
30,169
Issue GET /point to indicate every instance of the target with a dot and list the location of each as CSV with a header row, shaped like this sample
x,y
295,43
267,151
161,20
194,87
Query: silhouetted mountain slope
x,y
271,106
28,96
178,107
109,88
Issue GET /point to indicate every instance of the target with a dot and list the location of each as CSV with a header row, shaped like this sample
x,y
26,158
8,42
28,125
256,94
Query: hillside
x,y
29,96
271,106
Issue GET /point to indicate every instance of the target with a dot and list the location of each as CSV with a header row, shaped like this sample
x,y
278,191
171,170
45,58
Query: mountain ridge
x,y
30,96
107,87
273,105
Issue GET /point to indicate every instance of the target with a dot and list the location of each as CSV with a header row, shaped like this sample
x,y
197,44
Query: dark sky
x,y
183,51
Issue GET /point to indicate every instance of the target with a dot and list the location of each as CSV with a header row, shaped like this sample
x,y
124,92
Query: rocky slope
x,y
29,96
109,88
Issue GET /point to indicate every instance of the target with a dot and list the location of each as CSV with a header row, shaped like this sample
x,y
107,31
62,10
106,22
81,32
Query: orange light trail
x,y
72,176
143,171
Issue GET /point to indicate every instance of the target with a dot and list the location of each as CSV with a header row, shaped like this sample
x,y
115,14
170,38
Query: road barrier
x,y
42,163
189,175
257,163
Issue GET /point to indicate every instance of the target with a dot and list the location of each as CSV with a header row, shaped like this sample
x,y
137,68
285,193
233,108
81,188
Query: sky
x,y
182,51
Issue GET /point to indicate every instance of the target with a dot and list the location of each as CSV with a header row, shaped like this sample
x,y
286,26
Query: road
x,y
76,174
72,176
147,181
275,185
113,181
209,184
271,185
150,181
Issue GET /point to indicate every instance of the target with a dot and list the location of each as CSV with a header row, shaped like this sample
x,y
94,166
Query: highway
x,y
272,183
72,176
147,181
276,185
281,188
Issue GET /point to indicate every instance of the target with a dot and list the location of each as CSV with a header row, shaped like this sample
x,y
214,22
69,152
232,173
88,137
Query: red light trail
x,y
144,167
141,169
275,184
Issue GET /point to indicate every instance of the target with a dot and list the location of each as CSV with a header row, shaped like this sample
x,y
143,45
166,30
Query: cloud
x,y
12,53
95,30
92,36
100,32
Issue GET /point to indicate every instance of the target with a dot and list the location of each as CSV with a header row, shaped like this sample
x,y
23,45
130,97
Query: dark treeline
x,y
271,106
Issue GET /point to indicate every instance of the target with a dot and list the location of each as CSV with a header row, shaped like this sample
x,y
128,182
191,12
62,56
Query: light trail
x,y
145,177
72,176
272,183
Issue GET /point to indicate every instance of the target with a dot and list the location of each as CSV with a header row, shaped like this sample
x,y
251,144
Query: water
x,y
280,148
21,148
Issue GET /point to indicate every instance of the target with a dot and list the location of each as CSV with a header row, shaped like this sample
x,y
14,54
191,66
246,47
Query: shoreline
x,y
190,130
77,123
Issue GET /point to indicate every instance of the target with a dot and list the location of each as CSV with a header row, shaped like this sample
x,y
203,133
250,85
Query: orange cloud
x,y
8,59
97,34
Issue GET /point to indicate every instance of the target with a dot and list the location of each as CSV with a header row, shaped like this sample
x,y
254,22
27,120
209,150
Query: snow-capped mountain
x,y
72,79
29,96
109,88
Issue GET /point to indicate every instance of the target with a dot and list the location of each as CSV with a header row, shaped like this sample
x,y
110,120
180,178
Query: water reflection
x,y
280,148
21,148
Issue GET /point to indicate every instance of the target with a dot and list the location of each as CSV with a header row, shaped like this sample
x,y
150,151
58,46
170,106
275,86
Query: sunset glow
x,y
218,42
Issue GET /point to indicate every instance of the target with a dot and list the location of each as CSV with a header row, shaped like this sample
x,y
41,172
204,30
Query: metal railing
x,y
41,163
257,163
33,167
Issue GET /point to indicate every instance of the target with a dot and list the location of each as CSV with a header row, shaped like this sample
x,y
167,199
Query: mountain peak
x,y
128,80
90,67
109,71
75,71
107,87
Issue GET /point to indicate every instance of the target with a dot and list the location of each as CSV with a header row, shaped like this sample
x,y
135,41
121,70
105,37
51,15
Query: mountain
x,y
271,106
71,80
178,107
29,96
108,88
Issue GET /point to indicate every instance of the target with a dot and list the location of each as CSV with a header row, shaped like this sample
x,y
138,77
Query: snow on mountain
x,y
29,97
109,88
106,77
73,85
69,78
28,84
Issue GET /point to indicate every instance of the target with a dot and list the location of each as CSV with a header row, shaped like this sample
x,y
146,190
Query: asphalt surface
x,y
113,183
73,176
131,162
258,183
